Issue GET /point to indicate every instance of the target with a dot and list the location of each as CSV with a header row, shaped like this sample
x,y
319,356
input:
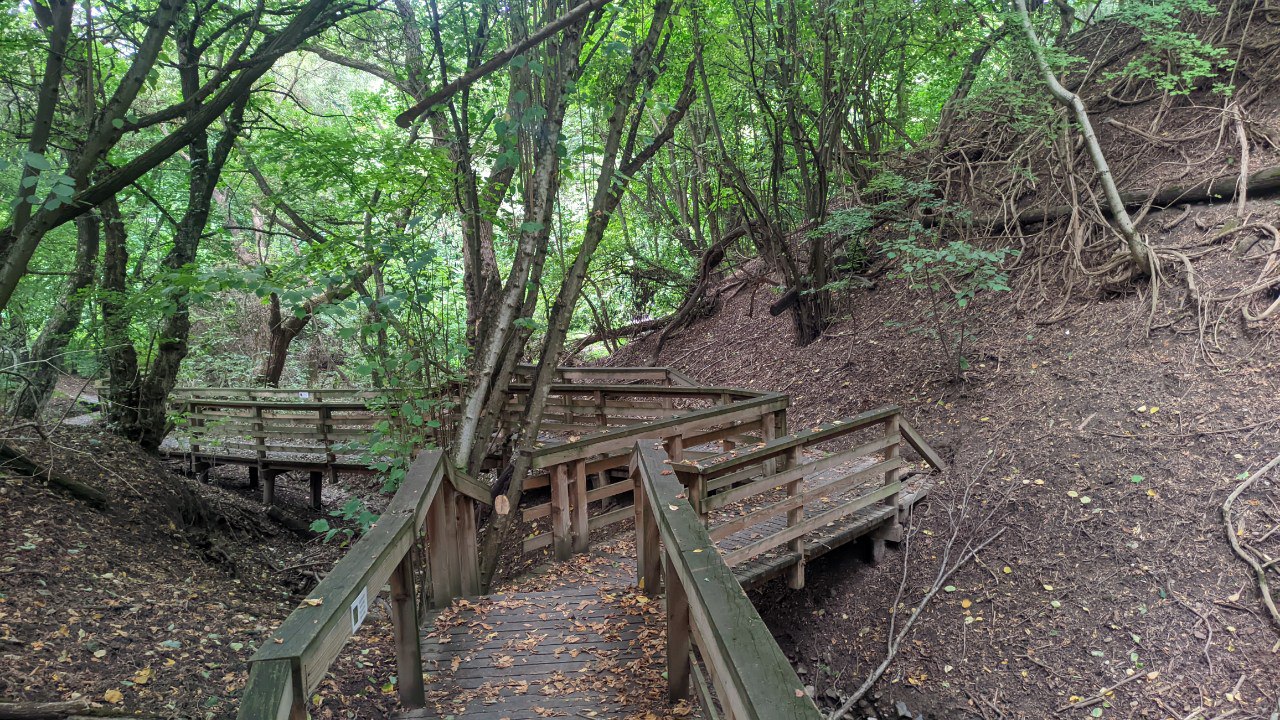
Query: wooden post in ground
x,y
581,525
404,618
253,477
561,532
269,486
678,636
795,516
317,487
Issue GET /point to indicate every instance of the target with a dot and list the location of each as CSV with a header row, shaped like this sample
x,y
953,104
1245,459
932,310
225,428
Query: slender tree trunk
x,y
1139,253
543,185
46,354
613,181
122,357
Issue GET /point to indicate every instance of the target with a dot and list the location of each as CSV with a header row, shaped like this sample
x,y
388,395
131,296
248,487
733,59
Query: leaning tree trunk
x,y
612,183
1139,253
46,354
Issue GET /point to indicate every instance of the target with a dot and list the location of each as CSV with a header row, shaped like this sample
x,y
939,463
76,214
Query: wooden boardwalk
x,y
590,646
653,622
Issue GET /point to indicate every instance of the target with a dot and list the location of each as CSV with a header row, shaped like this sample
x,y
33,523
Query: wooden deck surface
x,y
592,646
816,543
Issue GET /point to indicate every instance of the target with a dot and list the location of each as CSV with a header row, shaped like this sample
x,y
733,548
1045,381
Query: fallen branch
x,y
14,460
628,331
1218,189
1263,586
41,710
906,627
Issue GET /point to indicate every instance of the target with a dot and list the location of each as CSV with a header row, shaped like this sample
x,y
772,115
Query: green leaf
x,y
37,161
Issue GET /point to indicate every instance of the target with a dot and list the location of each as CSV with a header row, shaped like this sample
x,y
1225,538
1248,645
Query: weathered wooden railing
x,y
817,477
709,415
707,610
271,436
432,515
324,431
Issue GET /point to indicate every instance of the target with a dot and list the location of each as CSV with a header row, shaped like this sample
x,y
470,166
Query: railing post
x,y
795,573
648,558
581,525
273,692
561,539
602,418
326,421
893,533
442,557
259,435
675,447
768,432
468,551
678,630
404,618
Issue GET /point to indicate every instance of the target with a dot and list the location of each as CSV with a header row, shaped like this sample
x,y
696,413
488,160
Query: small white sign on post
x,y
359,609
304,394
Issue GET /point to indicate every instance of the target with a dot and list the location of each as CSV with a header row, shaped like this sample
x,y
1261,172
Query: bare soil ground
x,y
1105,455
154,604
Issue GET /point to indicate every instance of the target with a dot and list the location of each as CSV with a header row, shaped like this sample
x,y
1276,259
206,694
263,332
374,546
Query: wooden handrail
x,y
295,659
706,606
727,461
622,438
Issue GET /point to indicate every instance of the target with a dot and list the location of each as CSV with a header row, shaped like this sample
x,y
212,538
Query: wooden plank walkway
x,y
817,542
592,646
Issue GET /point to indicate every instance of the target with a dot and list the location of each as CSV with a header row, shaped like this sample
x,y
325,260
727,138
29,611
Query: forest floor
x,y
154,604
1105,455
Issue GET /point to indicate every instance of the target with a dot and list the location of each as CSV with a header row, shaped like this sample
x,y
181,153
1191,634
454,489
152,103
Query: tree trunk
x,y
122,357
612,183
1139,253
47,352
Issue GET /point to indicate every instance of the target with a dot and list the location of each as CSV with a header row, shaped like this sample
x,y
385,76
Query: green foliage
x,y
354,512
1173,58
951,271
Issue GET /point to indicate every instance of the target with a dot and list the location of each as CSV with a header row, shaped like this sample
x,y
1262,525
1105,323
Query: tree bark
x,y
1139,253
47,352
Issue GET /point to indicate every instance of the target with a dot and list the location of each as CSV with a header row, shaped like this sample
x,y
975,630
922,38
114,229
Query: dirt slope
x,y
1105,456
155,604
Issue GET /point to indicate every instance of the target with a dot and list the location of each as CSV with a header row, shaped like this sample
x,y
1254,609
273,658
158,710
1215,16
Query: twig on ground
x,y
1102,694
1263,586
906,627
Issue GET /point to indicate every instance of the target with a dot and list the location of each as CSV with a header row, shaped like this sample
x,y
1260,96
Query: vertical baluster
x,y
678,641
404,619
795,574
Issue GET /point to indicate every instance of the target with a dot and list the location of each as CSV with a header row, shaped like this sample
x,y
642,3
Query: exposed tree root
x,y
1259,571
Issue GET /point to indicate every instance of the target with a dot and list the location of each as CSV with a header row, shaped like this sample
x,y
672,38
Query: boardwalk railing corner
x,y
725,496
432,515
711,623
